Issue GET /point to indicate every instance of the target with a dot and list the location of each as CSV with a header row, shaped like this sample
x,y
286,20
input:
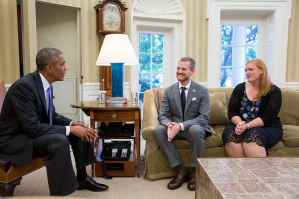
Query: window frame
x,y
276,15
244,20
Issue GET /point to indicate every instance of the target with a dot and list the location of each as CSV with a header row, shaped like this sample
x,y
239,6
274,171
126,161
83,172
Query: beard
x,y
182,77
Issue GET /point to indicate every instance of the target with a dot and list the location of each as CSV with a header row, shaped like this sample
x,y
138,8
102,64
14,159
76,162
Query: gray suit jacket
x,y
197,108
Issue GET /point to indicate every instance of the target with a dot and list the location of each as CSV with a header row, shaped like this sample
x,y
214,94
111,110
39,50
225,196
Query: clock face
x,y
111,18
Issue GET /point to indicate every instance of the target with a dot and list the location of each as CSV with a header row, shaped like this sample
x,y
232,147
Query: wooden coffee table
x,y
247,178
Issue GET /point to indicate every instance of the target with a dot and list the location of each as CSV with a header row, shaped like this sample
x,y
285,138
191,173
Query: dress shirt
x,y
46,86
186,94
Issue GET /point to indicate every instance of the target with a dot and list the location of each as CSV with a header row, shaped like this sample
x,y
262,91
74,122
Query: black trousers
x,y
54,148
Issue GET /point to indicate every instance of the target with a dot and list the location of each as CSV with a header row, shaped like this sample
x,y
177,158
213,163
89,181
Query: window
x,y
274,19
239,44
151,62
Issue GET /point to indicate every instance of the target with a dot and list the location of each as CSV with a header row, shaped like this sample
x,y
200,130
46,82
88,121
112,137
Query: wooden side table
x,y
105,113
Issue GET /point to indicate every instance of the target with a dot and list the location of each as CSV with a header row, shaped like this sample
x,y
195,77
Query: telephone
x,y
116,150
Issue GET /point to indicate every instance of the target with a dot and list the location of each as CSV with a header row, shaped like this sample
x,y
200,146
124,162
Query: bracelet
x,y
247,125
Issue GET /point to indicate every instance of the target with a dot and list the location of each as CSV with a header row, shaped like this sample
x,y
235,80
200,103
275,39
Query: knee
x,y
233,146
59,142
197,131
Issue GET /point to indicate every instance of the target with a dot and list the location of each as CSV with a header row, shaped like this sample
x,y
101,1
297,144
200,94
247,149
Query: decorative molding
x,y
158,7
205,84
249,0
292,85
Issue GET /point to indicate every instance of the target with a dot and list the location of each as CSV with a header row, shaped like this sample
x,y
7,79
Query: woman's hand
x,y
240,128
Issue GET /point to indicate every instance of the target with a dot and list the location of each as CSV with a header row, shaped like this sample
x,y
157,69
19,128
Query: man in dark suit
x,y
30,128
184,115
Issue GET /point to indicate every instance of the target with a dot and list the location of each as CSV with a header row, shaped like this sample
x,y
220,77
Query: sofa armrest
x,y
150,116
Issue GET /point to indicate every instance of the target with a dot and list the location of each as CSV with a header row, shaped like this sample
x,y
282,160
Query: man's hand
x,y
82,131
240,128
173,129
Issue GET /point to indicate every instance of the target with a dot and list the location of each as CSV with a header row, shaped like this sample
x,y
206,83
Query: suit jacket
x,y
24,117
197,107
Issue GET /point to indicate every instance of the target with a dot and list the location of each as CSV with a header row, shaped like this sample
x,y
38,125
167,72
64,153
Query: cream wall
x,y
9,47
196,38
293,45
59,31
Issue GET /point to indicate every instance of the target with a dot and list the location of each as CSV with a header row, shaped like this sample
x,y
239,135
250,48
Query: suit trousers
x,y
55,150
195,135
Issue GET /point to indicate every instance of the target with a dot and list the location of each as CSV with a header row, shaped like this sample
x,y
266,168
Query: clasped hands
x,y
82,131
173,129
240,128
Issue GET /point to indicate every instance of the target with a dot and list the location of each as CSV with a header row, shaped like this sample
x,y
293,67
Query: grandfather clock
x,y
110,20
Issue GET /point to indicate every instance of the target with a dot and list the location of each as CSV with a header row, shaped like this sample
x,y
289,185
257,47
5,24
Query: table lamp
x,y
117,51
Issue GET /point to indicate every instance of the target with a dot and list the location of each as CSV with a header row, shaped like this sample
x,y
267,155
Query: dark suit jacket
x,y
24,117
197,108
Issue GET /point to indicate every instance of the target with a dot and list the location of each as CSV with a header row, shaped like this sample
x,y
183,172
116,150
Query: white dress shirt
x,y
186,94
46,86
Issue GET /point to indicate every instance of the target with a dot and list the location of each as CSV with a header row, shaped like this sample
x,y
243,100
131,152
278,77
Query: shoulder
x,y
274,89
172,87
24,83
241,86
198,86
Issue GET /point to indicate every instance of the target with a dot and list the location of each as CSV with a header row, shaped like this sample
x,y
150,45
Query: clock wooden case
x,y
110,16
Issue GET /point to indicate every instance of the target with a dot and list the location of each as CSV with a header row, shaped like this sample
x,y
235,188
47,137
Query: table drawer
x,y
117,116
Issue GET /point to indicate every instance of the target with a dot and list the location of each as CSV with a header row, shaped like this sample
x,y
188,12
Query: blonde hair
x,y
265,82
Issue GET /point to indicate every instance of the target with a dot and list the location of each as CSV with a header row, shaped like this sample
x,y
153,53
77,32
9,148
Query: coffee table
x,y
247,178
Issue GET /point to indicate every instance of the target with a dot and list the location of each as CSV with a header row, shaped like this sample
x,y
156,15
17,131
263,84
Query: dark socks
x,y
181,168
81,174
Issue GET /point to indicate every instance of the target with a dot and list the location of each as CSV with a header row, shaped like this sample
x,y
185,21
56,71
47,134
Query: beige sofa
x,y
156,163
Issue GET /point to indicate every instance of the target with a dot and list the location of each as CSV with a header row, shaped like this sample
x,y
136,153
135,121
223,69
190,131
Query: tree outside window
x,y
151,62
239,44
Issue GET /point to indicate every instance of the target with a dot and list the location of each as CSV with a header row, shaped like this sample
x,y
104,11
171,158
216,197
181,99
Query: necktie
x,y
183,98
49,104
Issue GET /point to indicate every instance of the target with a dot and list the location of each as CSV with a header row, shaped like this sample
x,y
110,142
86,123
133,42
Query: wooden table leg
x,y
137,124
92,125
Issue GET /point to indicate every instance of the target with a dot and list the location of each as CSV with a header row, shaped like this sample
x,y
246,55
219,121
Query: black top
x,y
269,106
249,109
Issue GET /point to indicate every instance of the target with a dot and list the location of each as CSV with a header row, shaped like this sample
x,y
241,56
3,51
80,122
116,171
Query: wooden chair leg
x,y
8,189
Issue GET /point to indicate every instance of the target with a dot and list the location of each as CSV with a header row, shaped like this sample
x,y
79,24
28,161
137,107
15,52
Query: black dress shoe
x,y
91,185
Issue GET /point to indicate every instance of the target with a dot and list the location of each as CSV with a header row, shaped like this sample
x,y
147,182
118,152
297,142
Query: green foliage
x,y
226,49
151,62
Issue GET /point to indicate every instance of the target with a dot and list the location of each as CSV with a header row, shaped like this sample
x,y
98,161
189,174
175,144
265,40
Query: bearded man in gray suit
x,y
184,115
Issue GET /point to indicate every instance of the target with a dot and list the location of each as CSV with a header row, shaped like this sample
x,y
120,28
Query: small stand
x,y
124,168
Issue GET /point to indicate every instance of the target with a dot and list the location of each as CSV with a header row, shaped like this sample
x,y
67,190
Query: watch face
x,y
111,18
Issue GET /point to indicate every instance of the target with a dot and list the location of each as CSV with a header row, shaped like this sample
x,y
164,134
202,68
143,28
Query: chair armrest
x,y
150,116
5,165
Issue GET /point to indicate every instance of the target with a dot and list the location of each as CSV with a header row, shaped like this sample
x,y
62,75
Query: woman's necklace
x,y
253,87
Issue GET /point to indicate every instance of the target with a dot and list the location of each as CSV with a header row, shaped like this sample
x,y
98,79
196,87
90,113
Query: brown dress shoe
x,y
192,181
178,180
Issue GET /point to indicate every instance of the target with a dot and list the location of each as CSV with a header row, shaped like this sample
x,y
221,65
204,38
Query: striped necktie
x,y
183,98
49,104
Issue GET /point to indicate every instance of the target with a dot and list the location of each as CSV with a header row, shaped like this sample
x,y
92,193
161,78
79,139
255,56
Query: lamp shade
x,y
117,48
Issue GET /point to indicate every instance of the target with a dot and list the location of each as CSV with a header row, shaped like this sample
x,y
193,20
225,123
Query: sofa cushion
x,y
210,142
290,135
218,114
278,146
289,112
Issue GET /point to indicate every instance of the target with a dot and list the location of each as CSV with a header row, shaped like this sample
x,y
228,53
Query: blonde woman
x,y
253,112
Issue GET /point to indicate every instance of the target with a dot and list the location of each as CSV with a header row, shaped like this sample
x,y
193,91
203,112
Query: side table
x,y
105,113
